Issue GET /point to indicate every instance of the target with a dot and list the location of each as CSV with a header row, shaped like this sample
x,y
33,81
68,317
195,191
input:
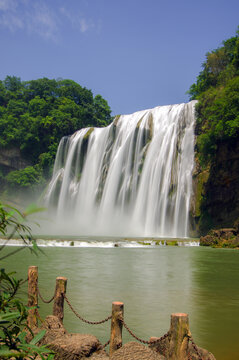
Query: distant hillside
x,y
34,116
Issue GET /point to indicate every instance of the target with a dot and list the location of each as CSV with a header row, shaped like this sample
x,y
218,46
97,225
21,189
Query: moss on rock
x,y
88,133
172,243
201,180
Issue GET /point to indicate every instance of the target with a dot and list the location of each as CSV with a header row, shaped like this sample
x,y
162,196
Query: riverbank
x,y
222,238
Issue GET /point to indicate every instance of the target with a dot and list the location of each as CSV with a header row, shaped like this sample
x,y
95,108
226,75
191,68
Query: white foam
x,y
99,243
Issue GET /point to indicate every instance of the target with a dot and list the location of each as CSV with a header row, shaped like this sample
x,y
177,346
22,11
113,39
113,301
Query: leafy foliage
x,y
13,221
11,218
13,321
217,92
36,114
28,177
13,313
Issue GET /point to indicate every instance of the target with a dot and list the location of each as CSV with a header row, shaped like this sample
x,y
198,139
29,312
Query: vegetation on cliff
x,y
217,141
217,92
36,114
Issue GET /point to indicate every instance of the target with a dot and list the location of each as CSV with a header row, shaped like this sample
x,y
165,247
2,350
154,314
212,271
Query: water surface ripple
x,y
152,283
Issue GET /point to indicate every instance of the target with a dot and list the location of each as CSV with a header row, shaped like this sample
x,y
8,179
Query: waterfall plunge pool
x,y
153,282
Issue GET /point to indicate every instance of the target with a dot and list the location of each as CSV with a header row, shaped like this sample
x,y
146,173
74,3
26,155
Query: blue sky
x,y
137,54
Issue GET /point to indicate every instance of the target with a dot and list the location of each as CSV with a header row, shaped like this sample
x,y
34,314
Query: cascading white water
x,y
132,178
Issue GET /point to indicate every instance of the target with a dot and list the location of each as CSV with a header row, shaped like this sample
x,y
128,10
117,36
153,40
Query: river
x,y
153,282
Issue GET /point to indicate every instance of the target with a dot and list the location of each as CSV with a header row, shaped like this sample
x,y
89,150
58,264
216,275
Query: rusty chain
x,y
194,347
23,281
81,318
43,300
148,342
106,344
164,349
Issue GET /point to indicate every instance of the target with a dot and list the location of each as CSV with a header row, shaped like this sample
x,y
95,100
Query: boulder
x,y
227,237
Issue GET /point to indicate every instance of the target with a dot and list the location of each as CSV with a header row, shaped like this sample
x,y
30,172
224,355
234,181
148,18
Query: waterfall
x,y
132,178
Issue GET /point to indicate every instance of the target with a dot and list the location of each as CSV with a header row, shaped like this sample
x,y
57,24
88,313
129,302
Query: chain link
x,y
106,344
148,342
194,347
81,318
163,345
23,281
43,300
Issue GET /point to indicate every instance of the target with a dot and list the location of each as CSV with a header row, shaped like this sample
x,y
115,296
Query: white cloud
x,y
64,12
41,20
77,20
8,15
37,17
11,21
85,25
8,5
34,17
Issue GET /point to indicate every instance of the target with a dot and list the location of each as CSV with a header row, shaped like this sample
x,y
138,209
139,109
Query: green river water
x,y
153,282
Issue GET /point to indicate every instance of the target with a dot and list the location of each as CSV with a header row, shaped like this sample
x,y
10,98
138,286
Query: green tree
x,y
217,89
12,83
36,114
26,178
101,111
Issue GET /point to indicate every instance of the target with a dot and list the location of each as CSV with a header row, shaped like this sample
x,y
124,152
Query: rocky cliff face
x,y
216,190
11,159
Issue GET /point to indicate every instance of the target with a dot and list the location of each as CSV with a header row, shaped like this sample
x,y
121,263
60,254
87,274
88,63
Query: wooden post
x,y
32,296
178,340
58,306
116,326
